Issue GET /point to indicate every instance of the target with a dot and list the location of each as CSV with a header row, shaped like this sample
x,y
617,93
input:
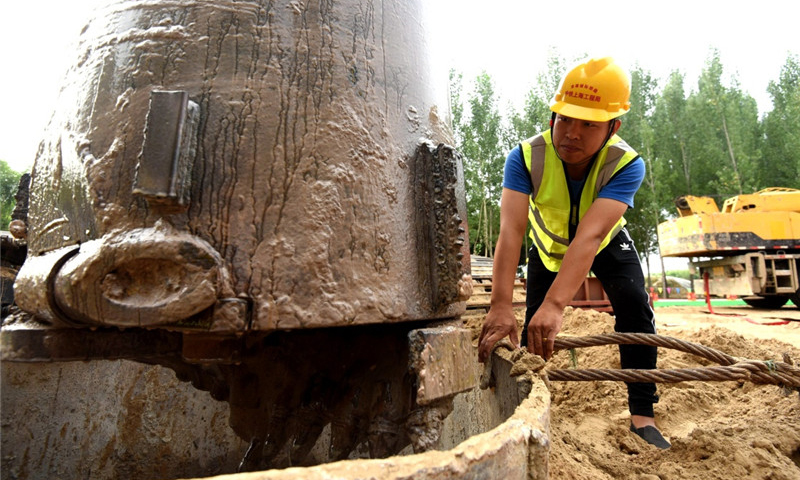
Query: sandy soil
x,y
719,430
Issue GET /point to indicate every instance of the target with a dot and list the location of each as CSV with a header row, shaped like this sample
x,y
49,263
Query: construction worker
x,y
574,182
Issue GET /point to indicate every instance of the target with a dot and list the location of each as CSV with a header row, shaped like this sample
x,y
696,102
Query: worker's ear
x,y
617,124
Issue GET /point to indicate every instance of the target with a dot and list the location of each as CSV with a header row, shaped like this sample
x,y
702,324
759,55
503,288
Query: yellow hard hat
x,y
597,90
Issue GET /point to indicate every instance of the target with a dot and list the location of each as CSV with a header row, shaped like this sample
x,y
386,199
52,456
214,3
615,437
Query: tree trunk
x,y
686,174
663,276
730,153
490,242
485,216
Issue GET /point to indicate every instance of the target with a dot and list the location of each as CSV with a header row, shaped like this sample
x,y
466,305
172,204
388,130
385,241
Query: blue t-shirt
x,y
622,187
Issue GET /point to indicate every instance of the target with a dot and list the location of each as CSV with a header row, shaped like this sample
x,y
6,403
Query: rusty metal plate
x,y
444,360
66,344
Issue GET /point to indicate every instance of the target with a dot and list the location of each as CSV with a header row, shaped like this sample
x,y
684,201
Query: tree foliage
x,y
779,165
9,181
479,132
671,131
729,117
535,115
706,139
639,133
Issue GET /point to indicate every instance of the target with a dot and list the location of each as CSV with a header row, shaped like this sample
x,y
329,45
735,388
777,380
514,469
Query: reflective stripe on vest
x,y
550,205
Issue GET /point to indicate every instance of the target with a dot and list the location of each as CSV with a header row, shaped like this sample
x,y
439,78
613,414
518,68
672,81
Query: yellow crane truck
x,y
751,248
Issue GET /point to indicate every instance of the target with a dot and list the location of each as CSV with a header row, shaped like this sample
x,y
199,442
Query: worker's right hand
x,y
498,324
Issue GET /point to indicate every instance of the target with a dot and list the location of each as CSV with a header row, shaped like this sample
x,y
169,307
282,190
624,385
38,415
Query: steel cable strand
x,y
778,373
659,376
765,372
650,339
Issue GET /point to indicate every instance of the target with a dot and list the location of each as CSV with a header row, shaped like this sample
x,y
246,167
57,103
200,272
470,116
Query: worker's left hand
x,y
543,328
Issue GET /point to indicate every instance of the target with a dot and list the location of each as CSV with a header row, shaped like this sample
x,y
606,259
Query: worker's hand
x,y
543,328
499,323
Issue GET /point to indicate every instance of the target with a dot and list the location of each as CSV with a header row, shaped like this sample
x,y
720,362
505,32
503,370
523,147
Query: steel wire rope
x,y
765,372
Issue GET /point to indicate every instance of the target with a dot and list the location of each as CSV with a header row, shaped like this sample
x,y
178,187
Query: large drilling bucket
x,y
281,163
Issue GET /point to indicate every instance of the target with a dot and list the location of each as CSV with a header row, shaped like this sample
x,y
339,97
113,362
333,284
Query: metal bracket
x,y
164,171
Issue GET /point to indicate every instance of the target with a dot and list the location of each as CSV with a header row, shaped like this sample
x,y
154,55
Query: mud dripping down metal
x,y
285,137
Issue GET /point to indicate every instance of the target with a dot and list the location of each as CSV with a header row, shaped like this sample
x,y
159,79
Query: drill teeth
x,y
311,420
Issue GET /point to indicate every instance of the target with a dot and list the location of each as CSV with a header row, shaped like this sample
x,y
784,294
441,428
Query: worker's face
x,y
576,141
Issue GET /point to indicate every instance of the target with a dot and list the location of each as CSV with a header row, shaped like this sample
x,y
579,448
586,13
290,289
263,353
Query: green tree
x,y
723,140
780,164
9,181
637,130
457,106
741,132
672,164
706,143
479,131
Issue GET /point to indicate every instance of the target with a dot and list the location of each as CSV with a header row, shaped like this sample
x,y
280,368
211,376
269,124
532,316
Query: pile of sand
x,y
718,430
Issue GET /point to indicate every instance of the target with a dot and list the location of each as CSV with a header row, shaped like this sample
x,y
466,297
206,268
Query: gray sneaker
x,y
652,436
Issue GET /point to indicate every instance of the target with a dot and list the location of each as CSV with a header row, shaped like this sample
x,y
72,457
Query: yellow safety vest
x,y
551,210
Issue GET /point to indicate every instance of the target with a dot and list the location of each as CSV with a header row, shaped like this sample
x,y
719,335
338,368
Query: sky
x,y
509,39
514,37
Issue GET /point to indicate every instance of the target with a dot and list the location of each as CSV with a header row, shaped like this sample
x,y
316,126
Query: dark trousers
x,y
618,268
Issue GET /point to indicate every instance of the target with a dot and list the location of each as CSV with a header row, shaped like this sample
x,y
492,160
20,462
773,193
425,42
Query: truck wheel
x,y
771,302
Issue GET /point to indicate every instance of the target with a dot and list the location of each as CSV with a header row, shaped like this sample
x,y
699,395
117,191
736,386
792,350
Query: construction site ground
x,y
718,430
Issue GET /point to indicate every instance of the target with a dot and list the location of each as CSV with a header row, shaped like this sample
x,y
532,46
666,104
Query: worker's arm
x,y
500,321
592,229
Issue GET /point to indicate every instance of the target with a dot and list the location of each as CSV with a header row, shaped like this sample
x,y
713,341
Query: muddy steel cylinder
x,y
290,155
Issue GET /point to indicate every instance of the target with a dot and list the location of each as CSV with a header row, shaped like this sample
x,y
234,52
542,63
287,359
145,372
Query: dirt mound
x,y
718,430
